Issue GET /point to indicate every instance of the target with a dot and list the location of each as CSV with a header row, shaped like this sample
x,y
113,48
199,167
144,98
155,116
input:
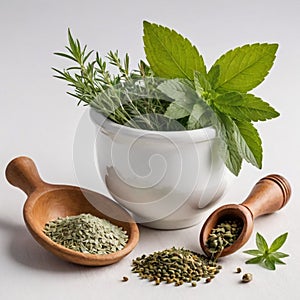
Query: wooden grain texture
x,y
47,202
268,195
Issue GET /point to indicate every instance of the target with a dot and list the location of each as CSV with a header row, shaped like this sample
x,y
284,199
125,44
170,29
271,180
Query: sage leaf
x,y
184,98
249,143
194,121
278,242
245,107
178,109
261,243
229,148
169,54
244,68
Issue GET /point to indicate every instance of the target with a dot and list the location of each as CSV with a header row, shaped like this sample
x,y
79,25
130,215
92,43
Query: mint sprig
x,y
221,99
266,256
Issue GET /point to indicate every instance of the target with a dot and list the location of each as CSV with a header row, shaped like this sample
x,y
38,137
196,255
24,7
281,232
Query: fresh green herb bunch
x,y
224,88
217,97
267,256
175,265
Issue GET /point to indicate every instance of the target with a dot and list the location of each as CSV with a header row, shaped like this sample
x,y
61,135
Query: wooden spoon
x,y
47,202
269,194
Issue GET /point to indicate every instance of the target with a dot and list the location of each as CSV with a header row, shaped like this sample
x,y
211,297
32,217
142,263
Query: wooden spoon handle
x,y
269,194
22,173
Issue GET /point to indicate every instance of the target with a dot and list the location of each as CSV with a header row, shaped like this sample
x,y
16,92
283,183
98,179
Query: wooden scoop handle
x,y
22,173
269,194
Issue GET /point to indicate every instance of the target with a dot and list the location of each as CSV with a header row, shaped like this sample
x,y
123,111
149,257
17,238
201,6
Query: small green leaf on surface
x,y
261,243
255,260
265,256
253,252
278,242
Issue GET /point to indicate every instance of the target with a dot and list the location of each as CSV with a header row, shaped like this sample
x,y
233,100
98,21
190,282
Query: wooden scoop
x,y
269,194
47,202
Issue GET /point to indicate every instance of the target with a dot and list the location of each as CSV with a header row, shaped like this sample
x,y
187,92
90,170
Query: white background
x,y
39,120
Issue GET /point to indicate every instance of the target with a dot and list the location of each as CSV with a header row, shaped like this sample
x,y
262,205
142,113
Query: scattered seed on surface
x,y
175,265
238,270
124,279
208,280
247,277
194,283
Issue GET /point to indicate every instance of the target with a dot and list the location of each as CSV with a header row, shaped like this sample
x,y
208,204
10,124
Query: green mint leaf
x,y
279,255
261,243
169,54
184,98
253,252
202,85
255,260
269,263
249,143
244,68
258,110
278,242
276,260
229,148
213,75
246,107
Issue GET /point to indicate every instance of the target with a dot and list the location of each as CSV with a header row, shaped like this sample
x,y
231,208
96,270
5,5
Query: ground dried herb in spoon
x,y
87,234
223,235
175,265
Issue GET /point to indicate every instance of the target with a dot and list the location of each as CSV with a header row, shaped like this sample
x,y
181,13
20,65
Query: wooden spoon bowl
x,y
269,194
47,202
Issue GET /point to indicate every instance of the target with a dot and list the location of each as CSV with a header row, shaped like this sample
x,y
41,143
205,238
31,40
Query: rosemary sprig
x,y
118,96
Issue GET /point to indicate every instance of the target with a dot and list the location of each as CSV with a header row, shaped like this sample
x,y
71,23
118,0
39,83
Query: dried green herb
x,y
267,256
87,234
223,235
175,265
